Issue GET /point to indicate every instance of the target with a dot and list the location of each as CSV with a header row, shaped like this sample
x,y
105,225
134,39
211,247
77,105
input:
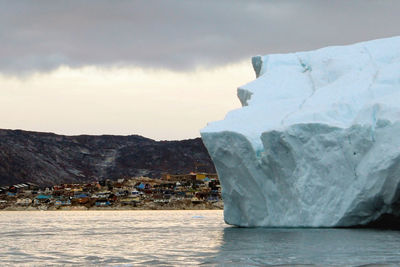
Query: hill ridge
x,y
48,158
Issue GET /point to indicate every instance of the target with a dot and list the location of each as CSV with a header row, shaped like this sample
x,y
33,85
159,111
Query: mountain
x,y
47,158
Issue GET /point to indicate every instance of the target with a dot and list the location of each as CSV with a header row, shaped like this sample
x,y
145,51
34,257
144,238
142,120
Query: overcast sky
x,y
162,69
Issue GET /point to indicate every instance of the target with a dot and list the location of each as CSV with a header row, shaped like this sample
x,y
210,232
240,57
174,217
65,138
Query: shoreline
x,y
54,210
146,206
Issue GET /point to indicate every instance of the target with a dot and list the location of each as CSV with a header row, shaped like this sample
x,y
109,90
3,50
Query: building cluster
x,y
192,189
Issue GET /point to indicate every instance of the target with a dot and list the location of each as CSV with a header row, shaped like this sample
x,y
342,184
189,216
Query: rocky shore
x,y
178,205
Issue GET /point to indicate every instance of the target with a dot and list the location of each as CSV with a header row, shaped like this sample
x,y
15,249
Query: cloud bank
x,y
179,35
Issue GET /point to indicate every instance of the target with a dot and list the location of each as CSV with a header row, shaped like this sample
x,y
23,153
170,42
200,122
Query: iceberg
x,y
316,142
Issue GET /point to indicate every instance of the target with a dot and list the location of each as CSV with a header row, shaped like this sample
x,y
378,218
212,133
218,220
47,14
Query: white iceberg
x,y
317,141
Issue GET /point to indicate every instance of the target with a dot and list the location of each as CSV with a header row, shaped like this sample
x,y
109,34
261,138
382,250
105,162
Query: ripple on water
x,y
176,238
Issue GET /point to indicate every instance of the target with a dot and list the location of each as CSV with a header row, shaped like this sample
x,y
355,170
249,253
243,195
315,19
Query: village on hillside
x,y
172,191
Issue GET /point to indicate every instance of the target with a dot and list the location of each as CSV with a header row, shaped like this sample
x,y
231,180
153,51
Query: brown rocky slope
x,y
47,158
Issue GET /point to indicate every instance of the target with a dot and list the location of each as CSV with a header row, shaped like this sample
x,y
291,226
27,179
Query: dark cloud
x,y
180,35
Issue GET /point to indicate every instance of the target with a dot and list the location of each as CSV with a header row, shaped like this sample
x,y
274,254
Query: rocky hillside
x,y
47,158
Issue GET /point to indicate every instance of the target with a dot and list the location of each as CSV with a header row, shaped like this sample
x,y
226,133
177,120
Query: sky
x,y
161,69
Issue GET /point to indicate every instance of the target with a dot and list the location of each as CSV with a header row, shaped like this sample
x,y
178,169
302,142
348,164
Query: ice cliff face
x,y
317,141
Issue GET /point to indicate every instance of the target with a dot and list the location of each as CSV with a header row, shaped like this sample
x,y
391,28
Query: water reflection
x,y
180,238
266,246
109,238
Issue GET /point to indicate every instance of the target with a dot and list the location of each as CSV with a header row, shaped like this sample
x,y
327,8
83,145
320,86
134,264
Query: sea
x,y
181,238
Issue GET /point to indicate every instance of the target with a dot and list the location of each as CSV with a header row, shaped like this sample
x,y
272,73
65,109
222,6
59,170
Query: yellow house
x,y
79,189
200,176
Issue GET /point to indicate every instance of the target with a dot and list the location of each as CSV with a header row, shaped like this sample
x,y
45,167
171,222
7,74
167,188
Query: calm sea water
x,y
180,238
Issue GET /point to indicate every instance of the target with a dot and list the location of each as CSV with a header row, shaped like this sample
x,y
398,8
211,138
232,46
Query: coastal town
x,y
171,191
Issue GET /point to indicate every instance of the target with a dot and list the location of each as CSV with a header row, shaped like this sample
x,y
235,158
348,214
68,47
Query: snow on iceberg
x,y
317,141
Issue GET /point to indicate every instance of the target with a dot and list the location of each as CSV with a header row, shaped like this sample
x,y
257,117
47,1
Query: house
x,y
11,194
132,200
143,186
206,176
92,187
77,190
102,203
58,187
23,201
118,185
12,189
102,195
62,203
3,190
20,187
82,198
43,198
